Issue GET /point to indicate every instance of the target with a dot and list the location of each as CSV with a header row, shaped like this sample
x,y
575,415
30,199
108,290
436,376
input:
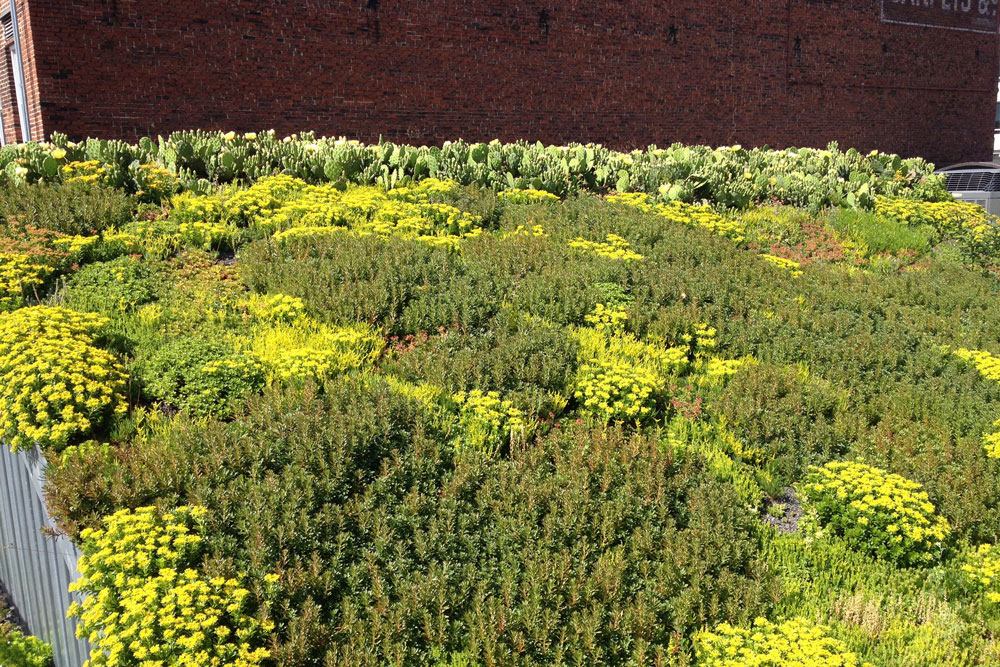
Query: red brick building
x,y
918,77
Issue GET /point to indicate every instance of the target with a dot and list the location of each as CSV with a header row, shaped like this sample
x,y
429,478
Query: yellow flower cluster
x,y
423,190
55,385
615,248
784,263
76,245
612,390
289,208
691,215
18,273
991,442
714,371
700,341
951,218
989,367
304,349
486,422
149,604
793,643
275,308
882,513
607,318
536,230
248,206
84,172
191,207
154,183
982,567
526,196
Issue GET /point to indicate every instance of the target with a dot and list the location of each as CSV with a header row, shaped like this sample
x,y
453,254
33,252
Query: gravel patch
x,y
784,512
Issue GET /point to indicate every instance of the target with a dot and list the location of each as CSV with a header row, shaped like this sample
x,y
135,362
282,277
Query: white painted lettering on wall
x,y
971,15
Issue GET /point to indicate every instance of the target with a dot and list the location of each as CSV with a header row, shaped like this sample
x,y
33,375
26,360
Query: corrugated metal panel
x,y
37,569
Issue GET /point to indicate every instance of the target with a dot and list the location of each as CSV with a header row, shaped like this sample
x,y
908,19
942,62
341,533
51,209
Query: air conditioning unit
x,y
974,182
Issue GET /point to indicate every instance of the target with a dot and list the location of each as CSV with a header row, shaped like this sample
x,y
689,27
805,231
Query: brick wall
x,y
625,73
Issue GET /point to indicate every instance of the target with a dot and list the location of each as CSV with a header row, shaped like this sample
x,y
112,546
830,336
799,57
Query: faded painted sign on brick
x,y
969,15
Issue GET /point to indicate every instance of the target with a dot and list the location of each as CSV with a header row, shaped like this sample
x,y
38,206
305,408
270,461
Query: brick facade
x,y
625,73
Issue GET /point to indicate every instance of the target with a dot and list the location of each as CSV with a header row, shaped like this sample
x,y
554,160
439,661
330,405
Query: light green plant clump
x,y
20,650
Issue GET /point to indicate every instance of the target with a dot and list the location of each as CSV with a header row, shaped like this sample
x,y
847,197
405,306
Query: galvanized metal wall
x,y
36,569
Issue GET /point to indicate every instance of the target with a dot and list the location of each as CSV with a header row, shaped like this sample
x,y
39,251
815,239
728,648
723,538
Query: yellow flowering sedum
x,y
536,231
691,215
615,248
275,308
486,422
290,208
304,349
190,207
950,218
880,513
616,390
793,643
609,318
18,274
55,385
526,196
982,568
149,603
989,367
784,263
424,190
249,206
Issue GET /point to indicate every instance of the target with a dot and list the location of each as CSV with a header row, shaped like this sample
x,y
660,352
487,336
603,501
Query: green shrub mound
x,y
200,376
587,543
119,285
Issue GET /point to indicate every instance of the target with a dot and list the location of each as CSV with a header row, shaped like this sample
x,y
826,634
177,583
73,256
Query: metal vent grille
x,y
8,27
967,181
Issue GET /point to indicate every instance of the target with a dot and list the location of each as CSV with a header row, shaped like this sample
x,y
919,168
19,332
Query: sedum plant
x,y
981,567
18,275
526,196
685,214
200,376
20,650
883,514
56,386
486,422
792,643
149,602
617,390
615,248
305,349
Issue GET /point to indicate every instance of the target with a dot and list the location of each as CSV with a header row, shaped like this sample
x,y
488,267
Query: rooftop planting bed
x,y
308,402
